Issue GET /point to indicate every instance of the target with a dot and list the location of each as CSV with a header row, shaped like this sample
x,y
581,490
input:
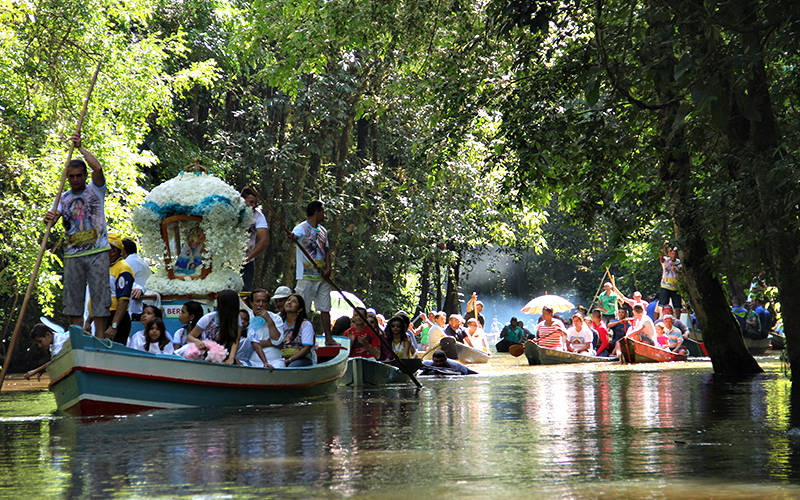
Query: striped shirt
x,y
548,335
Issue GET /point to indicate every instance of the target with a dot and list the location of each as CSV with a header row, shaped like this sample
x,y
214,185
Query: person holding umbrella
x,y
551,331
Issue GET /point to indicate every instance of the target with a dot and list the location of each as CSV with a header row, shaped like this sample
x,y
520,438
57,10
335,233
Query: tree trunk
x,y
425,284
782,234
721,332
451,303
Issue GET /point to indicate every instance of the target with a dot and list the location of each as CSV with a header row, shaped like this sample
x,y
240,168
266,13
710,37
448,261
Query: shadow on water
x,y
540,432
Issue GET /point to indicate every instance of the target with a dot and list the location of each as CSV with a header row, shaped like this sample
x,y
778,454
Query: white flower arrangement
x,y
225,222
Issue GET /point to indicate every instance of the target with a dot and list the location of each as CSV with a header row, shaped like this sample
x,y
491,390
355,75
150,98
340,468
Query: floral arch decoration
x,y
194,228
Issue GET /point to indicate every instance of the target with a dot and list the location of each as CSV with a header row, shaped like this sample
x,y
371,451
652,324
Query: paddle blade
x,y
516,350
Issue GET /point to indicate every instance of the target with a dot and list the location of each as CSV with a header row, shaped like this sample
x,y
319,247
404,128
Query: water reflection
x,y
557,433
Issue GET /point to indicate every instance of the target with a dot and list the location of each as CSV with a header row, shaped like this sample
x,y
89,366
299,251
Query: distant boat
x,y
634,351
364,372
538,355
760,346
459,351
99,377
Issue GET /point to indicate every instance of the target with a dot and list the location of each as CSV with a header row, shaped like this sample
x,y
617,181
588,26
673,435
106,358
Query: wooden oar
x,y
597,293
333,285
43,246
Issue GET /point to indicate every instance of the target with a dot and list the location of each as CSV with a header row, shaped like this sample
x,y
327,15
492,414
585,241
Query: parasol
x,y
556,302
339,306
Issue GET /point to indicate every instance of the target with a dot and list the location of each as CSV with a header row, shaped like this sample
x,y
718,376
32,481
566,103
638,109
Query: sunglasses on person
x,y
395,325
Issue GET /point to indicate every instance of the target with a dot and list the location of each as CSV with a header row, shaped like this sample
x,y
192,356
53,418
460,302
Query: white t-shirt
x,y
140,270
137,340
259,222
59,339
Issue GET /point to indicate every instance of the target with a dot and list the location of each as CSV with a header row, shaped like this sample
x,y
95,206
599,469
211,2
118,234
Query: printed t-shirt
x,y
357,350
315,241
608,302
84,219
123,282
669,273
580,339
259,222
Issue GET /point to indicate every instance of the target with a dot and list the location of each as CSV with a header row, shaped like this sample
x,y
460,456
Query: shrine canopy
x,y
194,228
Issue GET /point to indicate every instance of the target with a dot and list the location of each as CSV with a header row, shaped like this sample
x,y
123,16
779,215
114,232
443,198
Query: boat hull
x,y
459,351
760,346
543,356
634,351
94,377
364,372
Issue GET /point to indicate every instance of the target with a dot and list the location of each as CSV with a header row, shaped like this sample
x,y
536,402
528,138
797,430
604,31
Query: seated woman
x,y
550,331
191,312
397,338
298,348
364,343
580,337
222,326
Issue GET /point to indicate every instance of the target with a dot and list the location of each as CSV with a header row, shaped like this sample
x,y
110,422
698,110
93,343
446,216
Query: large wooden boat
x,y
365,372
459,351
538,355
634,351
99,377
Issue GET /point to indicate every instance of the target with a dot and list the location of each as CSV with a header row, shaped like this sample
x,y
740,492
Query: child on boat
x,y
365,344
580,337
156,340
191,312
47,339
138,339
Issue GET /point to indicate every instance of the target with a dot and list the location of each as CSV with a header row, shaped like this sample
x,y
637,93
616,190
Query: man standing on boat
x,y
607,302
82,209
670,266
258,238
311,284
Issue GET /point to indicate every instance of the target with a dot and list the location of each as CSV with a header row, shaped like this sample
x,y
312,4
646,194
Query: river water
x,y
513,431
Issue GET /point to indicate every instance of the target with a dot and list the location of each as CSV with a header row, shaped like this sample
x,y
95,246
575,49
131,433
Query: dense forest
x,y
568,136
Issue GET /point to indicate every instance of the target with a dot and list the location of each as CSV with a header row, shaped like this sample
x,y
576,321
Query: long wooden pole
x,y
336,287
48,226
597,294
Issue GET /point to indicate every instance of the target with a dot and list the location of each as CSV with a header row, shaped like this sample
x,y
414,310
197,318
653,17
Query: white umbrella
x,y
556,302
339,307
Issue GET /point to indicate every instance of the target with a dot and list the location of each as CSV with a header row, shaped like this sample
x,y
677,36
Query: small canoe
x,y
459,351
366,372
634,351
543,356
696,349
756,347
99,377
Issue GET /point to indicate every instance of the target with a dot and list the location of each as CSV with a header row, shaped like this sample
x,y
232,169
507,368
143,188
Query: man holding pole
x,y
82,210
312,284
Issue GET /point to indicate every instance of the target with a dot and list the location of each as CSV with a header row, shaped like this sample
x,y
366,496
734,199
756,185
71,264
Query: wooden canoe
x,y
696,349
756,347
538,355
366,372
99,377
634,351
459,351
